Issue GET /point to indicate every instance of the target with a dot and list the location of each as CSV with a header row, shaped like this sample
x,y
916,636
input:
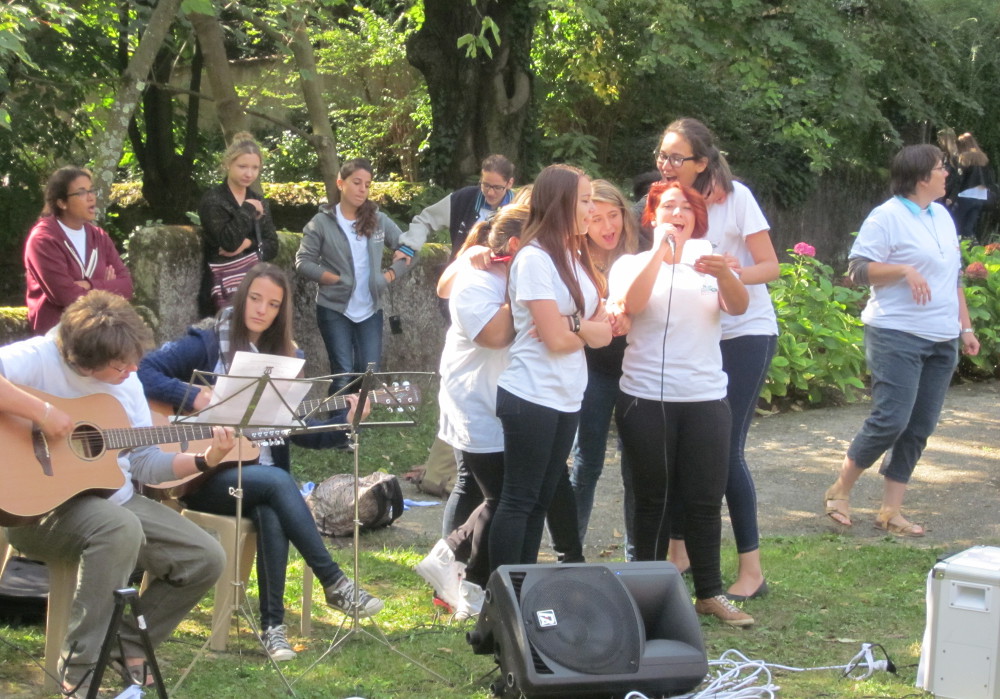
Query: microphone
x,y
664,230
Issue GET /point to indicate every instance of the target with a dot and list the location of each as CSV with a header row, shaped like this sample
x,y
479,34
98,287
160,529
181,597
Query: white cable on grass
x,y
735,676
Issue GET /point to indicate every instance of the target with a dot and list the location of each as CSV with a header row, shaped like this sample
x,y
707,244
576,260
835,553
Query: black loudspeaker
x,y
590,630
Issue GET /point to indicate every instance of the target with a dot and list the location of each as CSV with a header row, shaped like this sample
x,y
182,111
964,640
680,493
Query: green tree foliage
x,y
791,89
378,102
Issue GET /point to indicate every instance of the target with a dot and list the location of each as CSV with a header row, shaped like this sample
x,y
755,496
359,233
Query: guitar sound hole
x,y
87,442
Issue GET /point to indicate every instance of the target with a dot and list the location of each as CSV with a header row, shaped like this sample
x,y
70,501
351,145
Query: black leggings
x,y
682,448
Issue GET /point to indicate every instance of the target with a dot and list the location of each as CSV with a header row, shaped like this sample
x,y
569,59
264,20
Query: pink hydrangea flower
x,y
977,270
804,249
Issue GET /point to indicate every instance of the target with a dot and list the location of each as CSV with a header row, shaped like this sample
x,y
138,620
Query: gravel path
x,y
794,457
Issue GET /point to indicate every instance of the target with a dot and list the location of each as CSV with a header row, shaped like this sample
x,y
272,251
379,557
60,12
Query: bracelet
x,y
574,323
201,463
45,415
964,330
406,250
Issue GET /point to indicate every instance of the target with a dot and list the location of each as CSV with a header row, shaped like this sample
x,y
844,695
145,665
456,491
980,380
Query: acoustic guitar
x,y
40,474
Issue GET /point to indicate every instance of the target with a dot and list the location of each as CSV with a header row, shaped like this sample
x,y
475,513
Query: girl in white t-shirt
x,y
474,355
672,413
737,229
555,298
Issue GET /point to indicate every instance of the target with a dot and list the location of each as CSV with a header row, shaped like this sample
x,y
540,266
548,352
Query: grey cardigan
x,y
325,246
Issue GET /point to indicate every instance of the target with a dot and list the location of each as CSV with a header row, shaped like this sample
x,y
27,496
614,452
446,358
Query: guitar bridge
x,y
40,445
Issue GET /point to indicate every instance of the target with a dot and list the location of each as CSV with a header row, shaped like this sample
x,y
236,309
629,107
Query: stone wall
x,y
166,265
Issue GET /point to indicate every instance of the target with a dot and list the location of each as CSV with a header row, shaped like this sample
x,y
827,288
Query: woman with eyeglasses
x,y
66,255
671,412
915,321
737,229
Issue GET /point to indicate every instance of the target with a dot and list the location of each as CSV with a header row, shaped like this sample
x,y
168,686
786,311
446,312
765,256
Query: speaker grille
x,y
583,619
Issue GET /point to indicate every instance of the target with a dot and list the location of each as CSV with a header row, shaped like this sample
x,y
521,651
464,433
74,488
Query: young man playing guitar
x,y
93,351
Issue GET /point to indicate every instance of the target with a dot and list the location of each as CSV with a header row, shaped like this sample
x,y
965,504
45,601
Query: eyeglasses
x,y
486,187
83,193
942,168
675,160
122,370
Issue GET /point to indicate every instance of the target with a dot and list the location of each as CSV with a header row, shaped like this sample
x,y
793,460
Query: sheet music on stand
x,y
240,398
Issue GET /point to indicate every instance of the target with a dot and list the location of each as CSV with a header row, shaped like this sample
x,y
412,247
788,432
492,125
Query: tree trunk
x,y
322,137
479,105
108,149
167,181
232,116
311,83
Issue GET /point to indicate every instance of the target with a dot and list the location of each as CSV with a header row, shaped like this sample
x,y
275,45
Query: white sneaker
x,y
276,643
470,602
442,572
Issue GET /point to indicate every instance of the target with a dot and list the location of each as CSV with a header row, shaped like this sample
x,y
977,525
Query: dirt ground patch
x,y
794,457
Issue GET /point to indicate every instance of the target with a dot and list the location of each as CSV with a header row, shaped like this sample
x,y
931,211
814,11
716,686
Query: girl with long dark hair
x,y
555,295
341,250
260,320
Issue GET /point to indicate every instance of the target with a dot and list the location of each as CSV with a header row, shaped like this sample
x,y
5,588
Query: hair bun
x,y
243,137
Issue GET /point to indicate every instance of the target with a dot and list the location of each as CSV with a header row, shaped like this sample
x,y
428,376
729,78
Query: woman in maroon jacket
x,y
66,255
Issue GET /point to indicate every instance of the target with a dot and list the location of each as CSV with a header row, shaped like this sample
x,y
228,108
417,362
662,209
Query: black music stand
x,y
351,626
247,399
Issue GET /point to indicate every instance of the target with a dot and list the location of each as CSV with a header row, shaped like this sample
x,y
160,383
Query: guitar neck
x,y
130,438
340,402
330,404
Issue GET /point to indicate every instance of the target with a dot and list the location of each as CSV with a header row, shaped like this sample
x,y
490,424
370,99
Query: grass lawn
x,y
829,594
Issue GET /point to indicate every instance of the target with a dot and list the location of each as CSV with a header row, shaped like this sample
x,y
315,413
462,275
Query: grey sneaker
x,y
340,596
276,643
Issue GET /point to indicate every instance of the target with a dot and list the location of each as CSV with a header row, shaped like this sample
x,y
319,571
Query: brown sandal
x,y
833,510
894,522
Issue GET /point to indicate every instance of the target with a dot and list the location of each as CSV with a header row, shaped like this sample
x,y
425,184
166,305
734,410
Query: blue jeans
x,y
746,361
350,346
592,442
537,441
910,378
271,498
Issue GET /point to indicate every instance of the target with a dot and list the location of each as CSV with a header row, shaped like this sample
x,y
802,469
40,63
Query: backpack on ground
x,y
380,503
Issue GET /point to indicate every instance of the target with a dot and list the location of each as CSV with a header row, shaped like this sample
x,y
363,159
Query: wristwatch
x,y
968,330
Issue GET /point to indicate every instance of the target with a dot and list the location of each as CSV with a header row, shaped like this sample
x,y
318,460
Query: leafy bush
x,y
982,295
819,333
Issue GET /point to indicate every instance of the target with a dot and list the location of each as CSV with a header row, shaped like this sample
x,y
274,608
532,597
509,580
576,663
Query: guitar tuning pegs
x,y
406,384
395,384
412,408
399,409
